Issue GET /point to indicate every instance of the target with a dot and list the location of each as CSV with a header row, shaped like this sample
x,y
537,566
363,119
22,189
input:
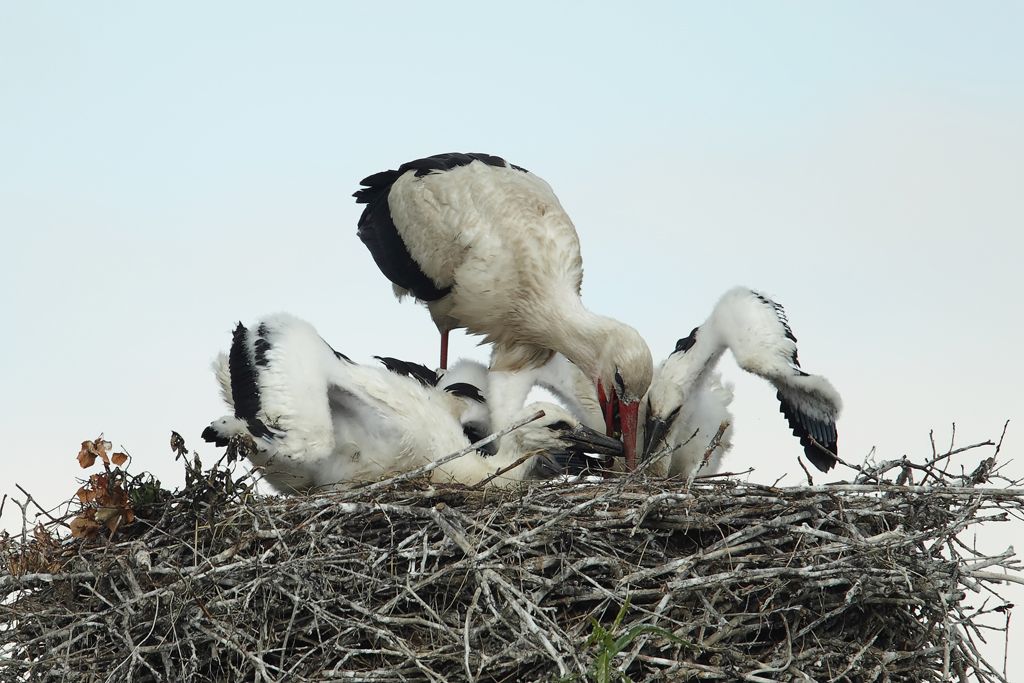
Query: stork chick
x,y
319,419
756,330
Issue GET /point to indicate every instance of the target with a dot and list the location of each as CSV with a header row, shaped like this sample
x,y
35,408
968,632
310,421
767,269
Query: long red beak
x,y
628,415
608,407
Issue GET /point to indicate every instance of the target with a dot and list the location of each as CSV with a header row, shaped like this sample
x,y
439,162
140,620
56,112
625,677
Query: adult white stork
x,y
319,419
487,246
757,332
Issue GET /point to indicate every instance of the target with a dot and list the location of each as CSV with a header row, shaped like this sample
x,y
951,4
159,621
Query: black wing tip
x,y
819,438
821,459
780,313
244,386
417,371
466,390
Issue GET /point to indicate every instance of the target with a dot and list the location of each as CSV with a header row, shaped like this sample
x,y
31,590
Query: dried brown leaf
x,y
86,494
178,445
101,448
87,455
119,458
83,526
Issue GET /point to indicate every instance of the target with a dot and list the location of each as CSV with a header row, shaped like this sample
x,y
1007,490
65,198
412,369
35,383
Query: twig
x,y
30,499
391,482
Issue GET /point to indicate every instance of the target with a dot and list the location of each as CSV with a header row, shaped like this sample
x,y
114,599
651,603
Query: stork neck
x,y
581,335
699,360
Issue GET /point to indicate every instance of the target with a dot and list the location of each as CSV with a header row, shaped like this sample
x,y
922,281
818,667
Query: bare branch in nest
x,y
396,581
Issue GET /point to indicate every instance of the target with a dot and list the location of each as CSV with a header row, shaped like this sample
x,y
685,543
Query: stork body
x,y
757,332
319,419
691,434
487,246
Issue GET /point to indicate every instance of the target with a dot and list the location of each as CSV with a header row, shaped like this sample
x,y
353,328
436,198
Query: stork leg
x,y
444,349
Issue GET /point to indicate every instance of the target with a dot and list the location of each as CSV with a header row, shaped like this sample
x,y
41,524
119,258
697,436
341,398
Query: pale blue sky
x,y
168,170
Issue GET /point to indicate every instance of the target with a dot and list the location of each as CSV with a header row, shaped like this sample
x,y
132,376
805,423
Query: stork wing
x,y
810,405
278,384
378,231
757,331
223,374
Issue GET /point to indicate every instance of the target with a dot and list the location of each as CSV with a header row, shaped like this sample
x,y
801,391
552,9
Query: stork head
x,y
625,366
562,440
665,399
466,382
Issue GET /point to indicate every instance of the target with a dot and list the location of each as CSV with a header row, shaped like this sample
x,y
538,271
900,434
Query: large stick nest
x,y
726,580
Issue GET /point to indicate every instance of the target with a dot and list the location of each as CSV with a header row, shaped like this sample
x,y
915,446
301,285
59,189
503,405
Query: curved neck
x,y
579,334
692,368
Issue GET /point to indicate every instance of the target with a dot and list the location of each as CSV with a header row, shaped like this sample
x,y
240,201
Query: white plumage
x,y
319,419
691,433
487,246
559,375
686,394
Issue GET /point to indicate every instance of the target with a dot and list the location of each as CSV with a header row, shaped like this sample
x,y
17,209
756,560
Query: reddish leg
x,y
444,349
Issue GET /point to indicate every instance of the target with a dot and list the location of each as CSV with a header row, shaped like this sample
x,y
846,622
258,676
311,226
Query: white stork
x,y
319,419
487,246
686,396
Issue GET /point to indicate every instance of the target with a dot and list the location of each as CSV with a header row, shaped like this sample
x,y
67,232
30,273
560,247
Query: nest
x,y
628,576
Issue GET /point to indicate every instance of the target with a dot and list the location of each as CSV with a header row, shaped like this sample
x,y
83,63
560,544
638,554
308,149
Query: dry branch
x,y
858,581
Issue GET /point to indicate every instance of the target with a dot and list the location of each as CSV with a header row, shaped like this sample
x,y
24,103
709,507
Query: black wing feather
x,y
245,390
377,228
465,390
420,373
806,427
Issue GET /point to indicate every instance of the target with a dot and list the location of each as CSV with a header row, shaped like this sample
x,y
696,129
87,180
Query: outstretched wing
x,y
757,331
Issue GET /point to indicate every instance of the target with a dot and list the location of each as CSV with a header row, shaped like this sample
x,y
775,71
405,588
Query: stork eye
x,y
673,415
560,426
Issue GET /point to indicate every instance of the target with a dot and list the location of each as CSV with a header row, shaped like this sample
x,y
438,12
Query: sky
x,y
168,170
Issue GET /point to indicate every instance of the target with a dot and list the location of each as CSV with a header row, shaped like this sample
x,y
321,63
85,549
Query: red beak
x,y
608,407
628,415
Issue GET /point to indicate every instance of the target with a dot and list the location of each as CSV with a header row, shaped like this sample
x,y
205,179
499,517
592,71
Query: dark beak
x,y
655,431
574,458
589,440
